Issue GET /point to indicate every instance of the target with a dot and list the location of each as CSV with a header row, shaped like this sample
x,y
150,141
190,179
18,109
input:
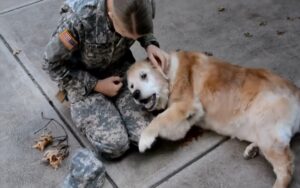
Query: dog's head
x,y
148,85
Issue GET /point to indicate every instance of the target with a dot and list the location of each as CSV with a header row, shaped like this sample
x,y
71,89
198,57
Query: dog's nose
x,y
136,94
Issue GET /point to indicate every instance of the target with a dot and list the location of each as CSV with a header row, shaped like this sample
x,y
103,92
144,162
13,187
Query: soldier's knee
x,y
112,148
115,151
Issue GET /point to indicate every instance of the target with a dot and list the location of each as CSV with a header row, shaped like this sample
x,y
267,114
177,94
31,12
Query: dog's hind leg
x,y
251,151
281,159
172,124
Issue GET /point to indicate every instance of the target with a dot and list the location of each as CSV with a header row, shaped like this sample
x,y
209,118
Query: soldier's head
x,y
131,18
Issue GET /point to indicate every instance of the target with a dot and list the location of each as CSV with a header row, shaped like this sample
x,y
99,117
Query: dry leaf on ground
x,y
53,157
16,51
262,23
248,35
280,32
221,9
43,141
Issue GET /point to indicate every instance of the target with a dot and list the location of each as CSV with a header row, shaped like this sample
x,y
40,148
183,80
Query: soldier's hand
x,y
158,58
109,86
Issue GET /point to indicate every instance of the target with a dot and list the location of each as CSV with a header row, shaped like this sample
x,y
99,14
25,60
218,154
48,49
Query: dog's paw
x,y
145,142
251,151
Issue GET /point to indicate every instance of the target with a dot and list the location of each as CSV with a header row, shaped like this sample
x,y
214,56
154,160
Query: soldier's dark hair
x,y
136,15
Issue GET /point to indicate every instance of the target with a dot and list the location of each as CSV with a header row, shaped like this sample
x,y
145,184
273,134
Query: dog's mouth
x,y
150,102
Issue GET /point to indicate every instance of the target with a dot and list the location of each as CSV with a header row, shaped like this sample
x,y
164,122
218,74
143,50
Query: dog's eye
x,y
131,86
143,76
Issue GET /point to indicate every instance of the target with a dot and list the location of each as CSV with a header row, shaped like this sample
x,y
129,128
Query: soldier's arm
x,y
61,48
147,40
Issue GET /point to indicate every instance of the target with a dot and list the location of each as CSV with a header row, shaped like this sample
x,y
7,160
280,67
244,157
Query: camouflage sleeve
x,y
147,40
59,53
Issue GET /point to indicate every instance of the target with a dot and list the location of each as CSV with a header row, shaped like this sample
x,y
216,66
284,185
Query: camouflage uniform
x,y
86,171
95,51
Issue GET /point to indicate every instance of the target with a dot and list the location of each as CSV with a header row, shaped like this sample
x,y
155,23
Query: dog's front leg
x,y
172,124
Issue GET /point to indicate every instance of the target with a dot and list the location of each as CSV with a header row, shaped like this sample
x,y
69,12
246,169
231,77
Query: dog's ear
x,y
162,69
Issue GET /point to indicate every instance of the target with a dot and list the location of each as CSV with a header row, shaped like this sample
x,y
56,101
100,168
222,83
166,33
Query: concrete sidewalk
x,y
253,33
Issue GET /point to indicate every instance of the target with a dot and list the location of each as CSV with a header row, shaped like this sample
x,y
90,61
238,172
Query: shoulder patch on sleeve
x,y
68,40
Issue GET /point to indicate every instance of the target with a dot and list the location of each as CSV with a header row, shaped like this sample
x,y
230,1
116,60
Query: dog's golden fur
x,y
251,104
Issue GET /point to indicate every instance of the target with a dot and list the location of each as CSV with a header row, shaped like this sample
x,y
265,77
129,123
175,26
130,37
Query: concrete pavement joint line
x,y
189,163
49,101
19,7
111,181
41,90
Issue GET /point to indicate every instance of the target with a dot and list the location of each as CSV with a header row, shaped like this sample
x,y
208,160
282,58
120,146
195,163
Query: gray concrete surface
x,y
11,5
20,116
189,25
225,167
30,34
146,170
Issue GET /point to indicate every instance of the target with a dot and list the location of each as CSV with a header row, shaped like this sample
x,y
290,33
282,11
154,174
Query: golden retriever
x,y
250,104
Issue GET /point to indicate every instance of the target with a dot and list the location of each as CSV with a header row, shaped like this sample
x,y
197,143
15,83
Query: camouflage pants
x,y
110,123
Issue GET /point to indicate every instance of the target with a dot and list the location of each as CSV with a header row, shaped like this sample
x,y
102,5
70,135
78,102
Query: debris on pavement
x,y
280,32
16,51
292,18
55,156
262,23
221,9
43,141
208,53
248,35
59,144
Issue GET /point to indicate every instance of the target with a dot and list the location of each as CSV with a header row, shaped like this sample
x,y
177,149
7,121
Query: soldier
x,y
88,56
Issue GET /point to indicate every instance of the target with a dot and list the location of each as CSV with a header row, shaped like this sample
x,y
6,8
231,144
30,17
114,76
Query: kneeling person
x,y
88,55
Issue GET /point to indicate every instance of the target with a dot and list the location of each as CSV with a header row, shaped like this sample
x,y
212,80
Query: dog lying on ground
x,y
254,105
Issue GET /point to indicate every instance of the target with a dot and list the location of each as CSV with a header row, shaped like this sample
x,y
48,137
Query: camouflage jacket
x,y
84,40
